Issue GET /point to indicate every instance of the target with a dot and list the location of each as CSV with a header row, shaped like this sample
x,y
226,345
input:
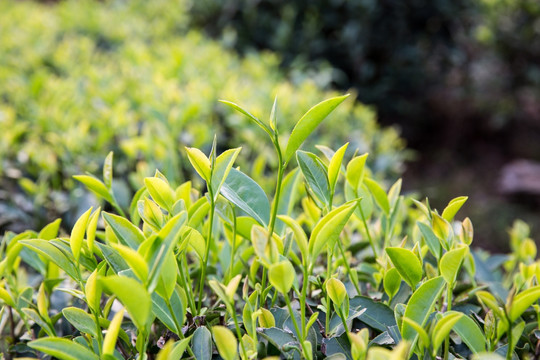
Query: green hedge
x,y
79,79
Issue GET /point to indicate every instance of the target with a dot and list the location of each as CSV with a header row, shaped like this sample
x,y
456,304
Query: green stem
x,y
295,323
238,332
233,248
328,305
184,277
99,333
448,308
303,296
355,283
207,250
373,247
510,346
178,327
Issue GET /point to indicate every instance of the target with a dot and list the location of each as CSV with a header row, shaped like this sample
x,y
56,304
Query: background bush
x,y
78,79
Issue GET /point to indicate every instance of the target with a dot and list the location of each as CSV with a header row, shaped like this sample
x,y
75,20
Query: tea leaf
x,y
200,163
133,296
125,231
334,167
299,234
327,230
432,241
451,263
281,276
109,343
379,194
315,174
419,330
392,282
226,342
202,344
81,320
161,192
336,290
471,334
355,170
266,319
253,118
443,328
522,301
50,231
420,305
108,170
224,163
63,349
245,193
453,207
135,261
96,186
311,119
52,253
77,234
407,264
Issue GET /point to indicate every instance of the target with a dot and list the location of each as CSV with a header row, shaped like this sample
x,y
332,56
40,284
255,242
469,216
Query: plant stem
x,y
448,308
373,248
305,284
233,248
238,333
184,276
328,305
348,267
295,323
178,327
207,250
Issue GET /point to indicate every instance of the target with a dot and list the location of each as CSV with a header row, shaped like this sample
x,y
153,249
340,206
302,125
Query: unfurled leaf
x,y
245,193
240,109
95,185
420,306
334,167
432,241
161,192
355,170
226,342
471,334
315,174
133,296
407,264
200,163
135,261
125,231
224,163
299,234
378,194
50,231
391,282
453,207
77,234
327,230
305,126
80,320
52,253
443,327
202,344
63,349
281,276
109,342
451,263
336,290
522,301
266,318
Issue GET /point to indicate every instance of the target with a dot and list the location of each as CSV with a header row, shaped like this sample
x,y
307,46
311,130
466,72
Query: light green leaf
x,y
287,197
328,229
95,186
453,207
432,241
392,281
63,349
281,276
336,290
133,296
522,301
335,166
108,170
125,231
50,231
202,344
407,264
420,305
443,327
109,343
379,194
53,254
355,170
299,234
196,241
135,261
315,174
224,163
226,342
77,234
253,118
161,192
451,263
245,193
200,162
419,329
305,126
81,320
471,334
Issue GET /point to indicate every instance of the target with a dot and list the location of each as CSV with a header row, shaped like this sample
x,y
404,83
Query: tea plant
x,y
333,265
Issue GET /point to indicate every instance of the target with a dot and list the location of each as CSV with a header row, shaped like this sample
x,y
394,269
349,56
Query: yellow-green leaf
x,y
200,162
109,343
226,342
281,276
451,263
77,234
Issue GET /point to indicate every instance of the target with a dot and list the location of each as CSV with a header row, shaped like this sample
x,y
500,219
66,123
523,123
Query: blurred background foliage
x,y
81,78
458,78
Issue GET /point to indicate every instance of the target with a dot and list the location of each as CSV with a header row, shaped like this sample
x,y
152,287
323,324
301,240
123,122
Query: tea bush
x,y
80,78
335,265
